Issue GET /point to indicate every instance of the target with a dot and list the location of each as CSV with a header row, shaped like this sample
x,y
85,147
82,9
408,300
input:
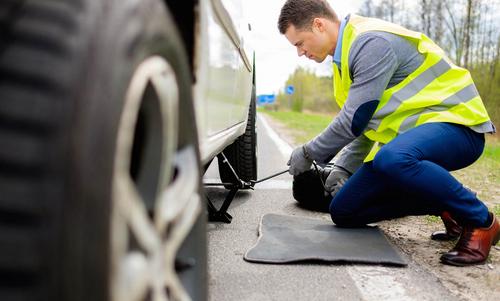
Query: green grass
x,y
303,126
432,219
492,150
496,210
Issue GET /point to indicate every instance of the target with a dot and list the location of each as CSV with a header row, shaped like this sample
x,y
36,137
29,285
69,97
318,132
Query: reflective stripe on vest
x,y
438,91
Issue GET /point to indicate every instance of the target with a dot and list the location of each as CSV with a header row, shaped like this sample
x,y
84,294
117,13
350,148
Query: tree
x,y
312,92
367,9
467,30
425,15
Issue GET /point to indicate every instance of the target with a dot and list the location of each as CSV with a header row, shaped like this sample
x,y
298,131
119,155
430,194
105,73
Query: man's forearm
x,y
327,144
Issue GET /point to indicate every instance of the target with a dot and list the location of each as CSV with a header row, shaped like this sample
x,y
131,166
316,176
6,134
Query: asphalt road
x,y
232,278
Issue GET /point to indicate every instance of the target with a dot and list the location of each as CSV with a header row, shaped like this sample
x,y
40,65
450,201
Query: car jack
x,y
222,215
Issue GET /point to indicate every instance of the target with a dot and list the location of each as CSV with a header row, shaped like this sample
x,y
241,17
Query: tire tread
x,y
36,43
242,153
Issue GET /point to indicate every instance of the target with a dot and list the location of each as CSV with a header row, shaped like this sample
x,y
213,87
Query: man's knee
x,y
341,221
340,215
346,220
390,160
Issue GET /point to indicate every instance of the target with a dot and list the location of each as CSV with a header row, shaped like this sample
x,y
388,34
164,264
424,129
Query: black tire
x,y
308,189
242,153
65,69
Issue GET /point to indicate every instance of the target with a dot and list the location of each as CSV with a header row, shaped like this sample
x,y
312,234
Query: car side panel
x,y
223,78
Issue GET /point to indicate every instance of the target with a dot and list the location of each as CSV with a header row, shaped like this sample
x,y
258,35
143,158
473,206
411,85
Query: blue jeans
x,y
410,176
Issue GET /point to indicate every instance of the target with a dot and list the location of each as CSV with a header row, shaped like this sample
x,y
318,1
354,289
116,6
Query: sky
x,y
276,58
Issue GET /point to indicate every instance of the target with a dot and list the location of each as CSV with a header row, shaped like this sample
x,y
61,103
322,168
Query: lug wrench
x,y
270,177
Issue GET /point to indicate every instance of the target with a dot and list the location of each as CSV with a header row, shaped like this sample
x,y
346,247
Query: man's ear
x,y
319,24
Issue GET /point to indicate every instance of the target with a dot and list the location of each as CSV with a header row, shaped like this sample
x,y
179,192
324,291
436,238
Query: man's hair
x,y
301,13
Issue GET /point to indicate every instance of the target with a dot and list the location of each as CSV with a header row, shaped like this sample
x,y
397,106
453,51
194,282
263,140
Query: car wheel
x,y
242,154
100,191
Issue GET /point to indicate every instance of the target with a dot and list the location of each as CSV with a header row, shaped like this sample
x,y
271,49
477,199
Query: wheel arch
x,y
185,17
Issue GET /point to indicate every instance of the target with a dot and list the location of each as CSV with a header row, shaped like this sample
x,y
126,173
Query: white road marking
x,y
284,148
378,283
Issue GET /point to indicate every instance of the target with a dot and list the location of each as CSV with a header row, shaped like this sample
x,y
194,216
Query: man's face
x,y
313,43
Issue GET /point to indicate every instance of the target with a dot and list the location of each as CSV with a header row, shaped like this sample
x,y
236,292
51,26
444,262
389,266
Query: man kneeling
x,y
422,113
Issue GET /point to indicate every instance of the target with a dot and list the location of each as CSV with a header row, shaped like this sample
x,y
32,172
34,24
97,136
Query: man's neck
x,y
334,34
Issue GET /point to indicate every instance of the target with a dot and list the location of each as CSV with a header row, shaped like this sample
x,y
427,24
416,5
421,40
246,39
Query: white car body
x,y
224,74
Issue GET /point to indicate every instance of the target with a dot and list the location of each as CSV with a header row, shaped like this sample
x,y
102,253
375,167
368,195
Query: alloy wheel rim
x,y
146,236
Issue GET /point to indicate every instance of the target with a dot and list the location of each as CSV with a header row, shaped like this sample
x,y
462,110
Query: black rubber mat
x,y
284,239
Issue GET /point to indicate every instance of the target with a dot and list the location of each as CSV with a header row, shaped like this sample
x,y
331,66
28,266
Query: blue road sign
x,y
290,89
266,99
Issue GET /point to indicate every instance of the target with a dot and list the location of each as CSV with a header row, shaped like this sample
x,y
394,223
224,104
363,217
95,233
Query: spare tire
x,y
100,195
308,189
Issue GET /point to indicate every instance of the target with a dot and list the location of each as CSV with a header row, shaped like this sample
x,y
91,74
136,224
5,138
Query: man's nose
x,y
300,51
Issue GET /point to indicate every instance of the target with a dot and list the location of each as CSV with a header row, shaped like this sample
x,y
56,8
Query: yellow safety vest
x,y
438,91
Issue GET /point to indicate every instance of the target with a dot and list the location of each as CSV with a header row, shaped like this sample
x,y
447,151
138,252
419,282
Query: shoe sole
x,y
443,237
461,264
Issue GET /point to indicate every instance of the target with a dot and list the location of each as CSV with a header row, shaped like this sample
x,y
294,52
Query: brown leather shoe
x,y
452,229
474,245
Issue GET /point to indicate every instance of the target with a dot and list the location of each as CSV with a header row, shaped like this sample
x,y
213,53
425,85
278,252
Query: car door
x,y
224,75
236,11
